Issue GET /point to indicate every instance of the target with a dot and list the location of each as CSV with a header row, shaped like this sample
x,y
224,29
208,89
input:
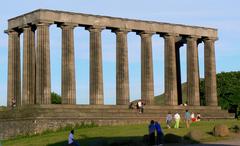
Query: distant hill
x,y
159,100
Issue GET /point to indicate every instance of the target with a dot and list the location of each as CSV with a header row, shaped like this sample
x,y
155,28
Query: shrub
x,y
55,98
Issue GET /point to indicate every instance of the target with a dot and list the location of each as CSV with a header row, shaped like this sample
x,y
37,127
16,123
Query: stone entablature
x,y
36,58
53,16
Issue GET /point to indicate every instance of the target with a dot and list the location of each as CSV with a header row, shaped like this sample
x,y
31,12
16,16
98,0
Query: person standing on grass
x,y
177,120
160,135
169,120
187,118
71,140
151,129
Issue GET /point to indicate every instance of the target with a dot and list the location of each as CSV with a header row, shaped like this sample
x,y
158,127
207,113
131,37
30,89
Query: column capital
x,y
145,33
26,27
120,30
168,35
210,39
67,25
193,37
13,31
95,28
43,24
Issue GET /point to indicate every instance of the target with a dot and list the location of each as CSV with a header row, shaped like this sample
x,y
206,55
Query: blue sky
x,y
221,14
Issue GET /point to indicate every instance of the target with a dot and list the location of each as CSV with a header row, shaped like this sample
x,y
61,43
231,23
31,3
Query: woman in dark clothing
x,y
160,135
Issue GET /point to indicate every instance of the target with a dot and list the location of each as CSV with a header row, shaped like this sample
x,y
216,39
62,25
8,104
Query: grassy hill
x,y
159,100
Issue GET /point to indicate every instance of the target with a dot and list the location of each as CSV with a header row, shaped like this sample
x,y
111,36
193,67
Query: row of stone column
x,y
36,67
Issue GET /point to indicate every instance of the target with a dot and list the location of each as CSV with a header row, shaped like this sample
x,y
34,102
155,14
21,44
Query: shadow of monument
x,y
169,140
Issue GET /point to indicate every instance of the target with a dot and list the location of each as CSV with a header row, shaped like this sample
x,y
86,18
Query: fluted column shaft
x,y
170,70
122,76
210,72
147,84
29,66
68,66
96,74
14,68
193,97
43,74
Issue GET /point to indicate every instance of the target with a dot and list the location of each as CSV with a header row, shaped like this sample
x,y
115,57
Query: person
x,y
151,129
185,104
71,140
193,119
13,102
198,117
158,128
131,105
169,120
140,106
187,118
177,120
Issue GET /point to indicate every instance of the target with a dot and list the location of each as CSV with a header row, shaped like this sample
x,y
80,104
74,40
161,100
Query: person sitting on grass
x,y
198,117
71,140
193,117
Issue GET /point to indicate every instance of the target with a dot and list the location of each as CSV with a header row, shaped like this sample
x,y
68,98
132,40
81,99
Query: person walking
x,y
151,129
169,120
159,140
177,120
187,118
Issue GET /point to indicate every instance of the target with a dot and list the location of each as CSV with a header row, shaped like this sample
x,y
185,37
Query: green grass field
x,y
114,133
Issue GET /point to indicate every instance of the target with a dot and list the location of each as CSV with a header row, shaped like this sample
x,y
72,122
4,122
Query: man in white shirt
x,y
71,140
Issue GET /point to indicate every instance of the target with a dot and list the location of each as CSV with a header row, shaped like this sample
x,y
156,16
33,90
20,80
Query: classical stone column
x,y
193,97
68,65
210,72
170,70
29,66
122,76
96,74
43,74
14,68
147,84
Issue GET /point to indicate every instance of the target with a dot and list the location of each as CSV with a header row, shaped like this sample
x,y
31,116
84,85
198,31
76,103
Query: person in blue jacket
x,y
159,140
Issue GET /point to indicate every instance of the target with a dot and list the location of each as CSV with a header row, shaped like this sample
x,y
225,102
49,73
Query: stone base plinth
x,y
36,119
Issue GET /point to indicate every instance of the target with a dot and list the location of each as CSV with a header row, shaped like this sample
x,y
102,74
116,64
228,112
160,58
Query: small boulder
x,y
195,135
220,130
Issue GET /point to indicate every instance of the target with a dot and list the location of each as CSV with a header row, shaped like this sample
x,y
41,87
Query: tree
x,y
228,91
55,98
